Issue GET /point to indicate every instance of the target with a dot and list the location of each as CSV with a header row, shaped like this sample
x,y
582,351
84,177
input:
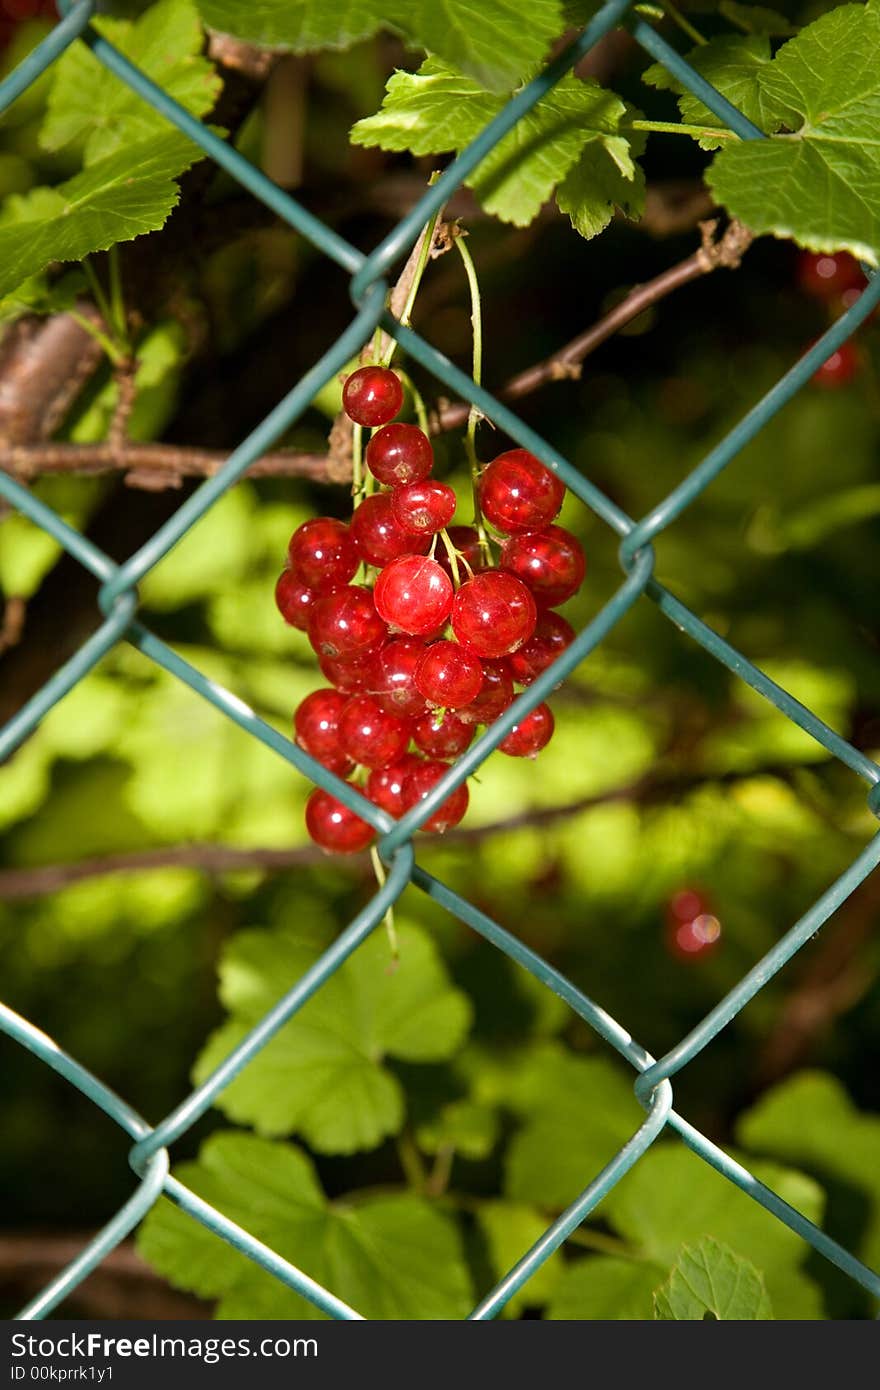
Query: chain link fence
x,y
118,598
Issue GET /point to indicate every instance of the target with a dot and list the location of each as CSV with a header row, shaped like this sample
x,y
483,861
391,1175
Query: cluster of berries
x,y
836,281
436,643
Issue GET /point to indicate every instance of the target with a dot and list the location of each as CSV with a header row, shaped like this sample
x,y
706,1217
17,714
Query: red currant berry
x,y
466,541
550,562
400,454
372,396
352,674
379,537
414,594
839,368
322,554
369,735
316,725
442,735
496,693
449,675
691,927
421,781
827,276
552,635
334,827
493,613
424,508
294,600
385,785
517,493
345,622
395,689
532,733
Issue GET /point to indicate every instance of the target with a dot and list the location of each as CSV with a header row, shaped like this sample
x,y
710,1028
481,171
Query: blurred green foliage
x,y
428,1122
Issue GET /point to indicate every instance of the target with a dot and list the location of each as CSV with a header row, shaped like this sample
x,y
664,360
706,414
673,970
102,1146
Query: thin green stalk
x,y
97,289
684,24
411,1161
117,299
393,939
477,373
417,399
116,356
357,461
698,132
453,556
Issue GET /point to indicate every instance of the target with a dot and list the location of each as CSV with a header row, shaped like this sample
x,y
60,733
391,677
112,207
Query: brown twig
x,y
123,1285
650,790
165,465
565,364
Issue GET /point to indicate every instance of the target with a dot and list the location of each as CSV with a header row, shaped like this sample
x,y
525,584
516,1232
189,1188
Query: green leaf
x,y
510,1230
732,64
119,198
90,105
598,184
757,19
389,1257
462,1126
810,1120
489,41
710,1281
577,1113
606,1287
438,109
323,1076
672,1196
820,183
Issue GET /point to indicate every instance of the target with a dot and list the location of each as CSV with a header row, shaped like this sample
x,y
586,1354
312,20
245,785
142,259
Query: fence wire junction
x,y
118,599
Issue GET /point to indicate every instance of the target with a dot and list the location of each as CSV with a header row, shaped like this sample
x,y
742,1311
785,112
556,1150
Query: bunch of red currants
x,y
436,640
835,281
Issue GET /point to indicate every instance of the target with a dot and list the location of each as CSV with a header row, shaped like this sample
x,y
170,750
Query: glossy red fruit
x,y
294,600
414,594
421,781
352,674
549,640
379,537
322,554
369,735
550,563
372,396
442,735
424,508
449,675
839,368
691,927
400,454
517,493
334,827
532,733
316,726
396,667
827,276
345,622
466,541
385,785
496,693
493,613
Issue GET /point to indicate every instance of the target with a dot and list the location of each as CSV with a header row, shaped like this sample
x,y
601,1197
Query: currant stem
x,y
477,373
684,24
697,132
357,461
391,929
453,557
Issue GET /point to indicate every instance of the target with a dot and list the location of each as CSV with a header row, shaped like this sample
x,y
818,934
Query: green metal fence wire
x,y
149,1155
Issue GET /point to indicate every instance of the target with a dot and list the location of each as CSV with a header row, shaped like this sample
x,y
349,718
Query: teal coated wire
x,y
118,602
